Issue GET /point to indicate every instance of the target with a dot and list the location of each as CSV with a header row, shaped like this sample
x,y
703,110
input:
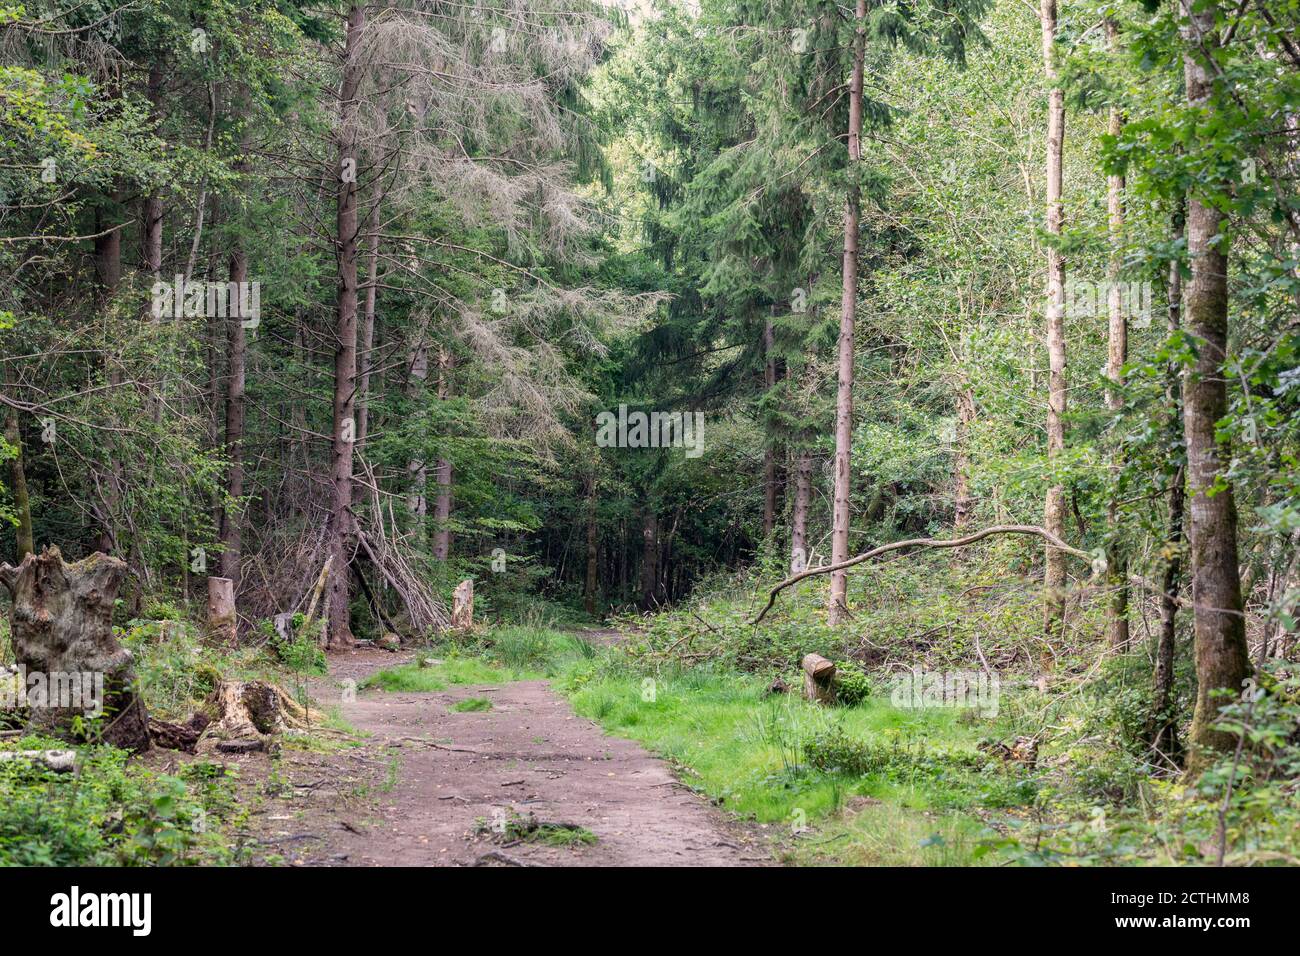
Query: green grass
x,y
751,754
471,704
412,678
508,653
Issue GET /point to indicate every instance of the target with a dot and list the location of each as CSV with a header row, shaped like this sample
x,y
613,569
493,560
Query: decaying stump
x,y
222,623
245,714
462,606
818,679
62,634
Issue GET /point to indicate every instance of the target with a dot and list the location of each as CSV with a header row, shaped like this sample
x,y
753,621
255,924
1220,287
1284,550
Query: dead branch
x,y
1028,529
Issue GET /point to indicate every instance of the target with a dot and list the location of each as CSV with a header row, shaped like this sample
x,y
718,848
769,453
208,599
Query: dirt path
x,y
435,772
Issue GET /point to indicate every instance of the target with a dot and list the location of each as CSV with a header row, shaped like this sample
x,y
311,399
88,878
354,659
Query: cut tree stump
x,y
818,679
62,628
222,623
462,606
245,714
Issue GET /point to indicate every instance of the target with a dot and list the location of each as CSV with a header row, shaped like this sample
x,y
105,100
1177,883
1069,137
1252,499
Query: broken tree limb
x,y
316,593
1027,529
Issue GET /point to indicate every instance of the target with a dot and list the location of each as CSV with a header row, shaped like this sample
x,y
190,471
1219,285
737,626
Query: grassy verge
x,y
865,784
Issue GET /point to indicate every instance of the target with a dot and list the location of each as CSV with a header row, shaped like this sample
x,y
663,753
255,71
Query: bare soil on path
x,y
427,777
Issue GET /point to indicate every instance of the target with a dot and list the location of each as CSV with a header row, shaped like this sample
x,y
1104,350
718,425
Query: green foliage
x,y
852,685
112,813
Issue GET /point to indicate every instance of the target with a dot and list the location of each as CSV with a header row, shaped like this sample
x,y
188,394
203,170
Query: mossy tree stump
x,y
62,632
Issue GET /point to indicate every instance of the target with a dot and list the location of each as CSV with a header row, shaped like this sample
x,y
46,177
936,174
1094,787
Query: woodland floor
x,y
424,778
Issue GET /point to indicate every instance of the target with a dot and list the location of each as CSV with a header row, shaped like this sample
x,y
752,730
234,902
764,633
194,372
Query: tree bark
x,y
62,629
771,471
838,607
1222,661
417,472
799,515
232,514
368,322
1054,503
649,559
1162,729
1117,625
592,584
442,472
341,529
223,625
961,472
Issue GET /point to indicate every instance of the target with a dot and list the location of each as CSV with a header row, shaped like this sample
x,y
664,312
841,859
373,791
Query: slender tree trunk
x,y
1117,625
368,322
1222,661
838,607
232,515
341,527
649,559
592,584
1054,505
961,471
417,472
442,472
771,471
1163,728
799,516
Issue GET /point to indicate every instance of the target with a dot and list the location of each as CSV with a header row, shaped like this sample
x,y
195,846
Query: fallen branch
x,y
1028,529
60,761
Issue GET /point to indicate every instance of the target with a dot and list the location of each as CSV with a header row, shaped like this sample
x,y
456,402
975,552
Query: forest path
x,y
529,753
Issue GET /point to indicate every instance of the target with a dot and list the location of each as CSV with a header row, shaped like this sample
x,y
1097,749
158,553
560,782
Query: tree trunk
x,y
649,560
417,472
592,583
1117,626
442,472
1162,729
368,322
799,517
62,630
1222,661
771,471
1054,504
961,472
345,354
838,608
223,625
232,515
